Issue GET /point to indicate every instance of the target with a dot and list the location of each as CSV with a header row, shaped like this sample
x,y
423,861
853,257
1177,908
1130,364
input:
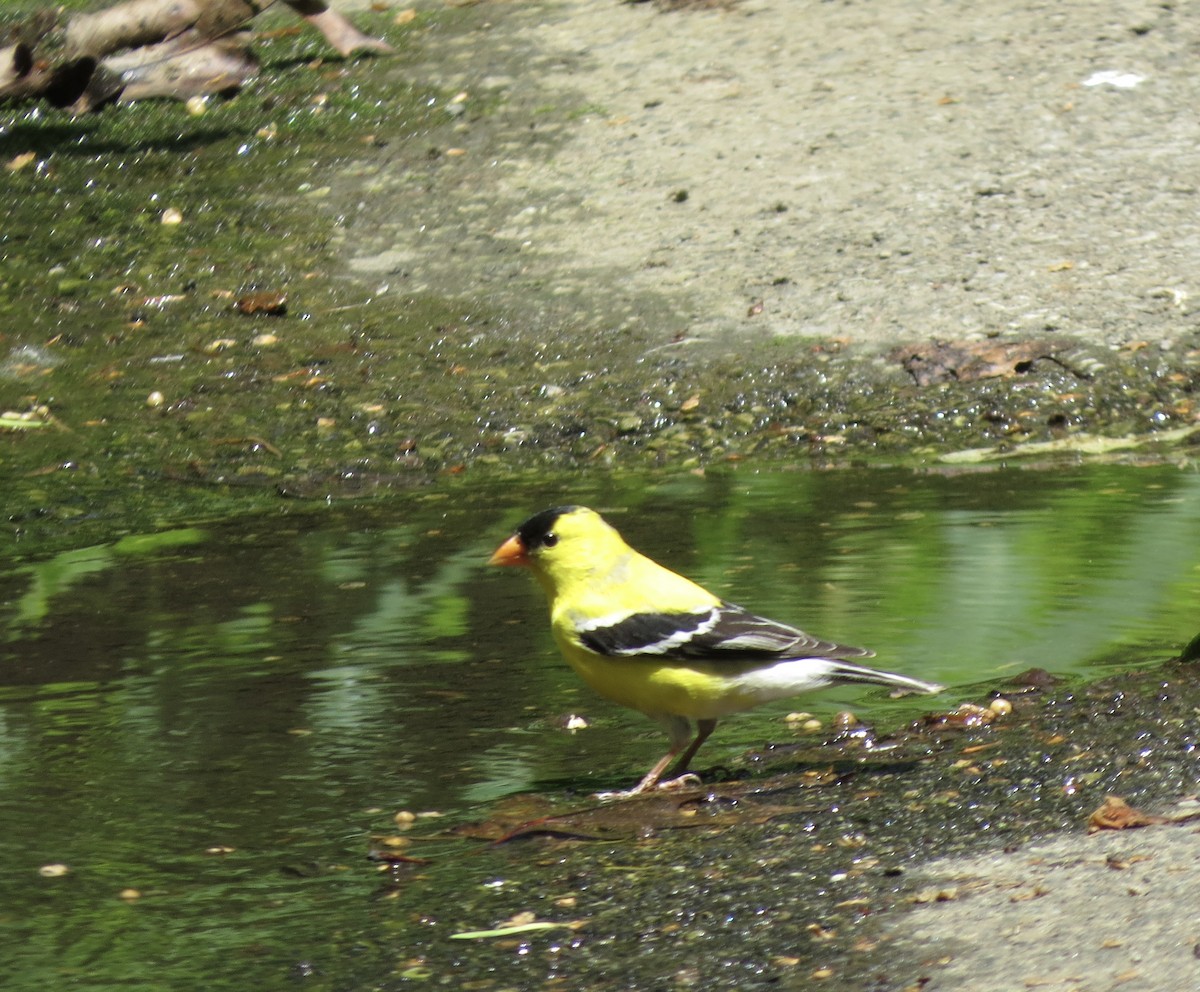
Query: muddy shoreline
x,y
932,856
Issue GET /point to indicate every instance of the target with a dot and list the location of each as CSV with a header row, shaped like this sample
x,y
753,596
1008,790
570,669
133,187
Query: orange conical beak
x,y
511,552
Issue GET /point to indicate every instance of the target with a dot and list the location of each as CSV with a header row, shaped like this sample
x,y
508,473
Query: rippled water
x,y
220,718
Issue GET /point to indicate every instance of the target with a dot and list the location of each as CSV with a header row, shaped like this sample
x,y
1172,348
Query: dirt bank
x,y
832,177
877,172
1069,912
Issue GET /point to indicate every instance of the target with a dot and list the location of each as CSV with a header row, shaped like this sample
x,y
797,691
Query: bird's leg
x,y
704,729
680,731
649,780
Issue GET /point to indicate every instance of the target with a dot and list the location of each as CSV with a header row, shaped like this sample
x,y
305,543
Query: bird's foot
x,y
622,794
685,781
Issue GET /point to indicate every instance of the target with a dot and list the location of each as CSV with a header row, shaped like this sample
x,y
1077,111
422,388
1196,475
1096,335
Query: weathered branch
x,y
145,22
183,67
21,79
176,48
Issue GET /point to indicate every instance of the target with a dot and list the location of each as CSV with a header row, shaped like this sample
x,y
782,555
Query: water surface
x,y
222,718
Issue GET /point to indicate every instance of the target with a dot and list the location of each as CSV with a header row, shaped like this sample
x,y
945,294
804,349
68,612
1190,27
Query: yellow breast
x,y
696,691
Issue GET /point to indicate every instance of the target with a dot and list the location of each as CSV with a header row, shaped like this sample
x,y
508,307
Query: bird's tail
x,y
840,671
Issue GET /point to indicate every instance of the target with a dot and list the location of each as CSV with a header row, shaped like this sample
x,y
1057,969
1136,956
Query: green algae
x,y
119,326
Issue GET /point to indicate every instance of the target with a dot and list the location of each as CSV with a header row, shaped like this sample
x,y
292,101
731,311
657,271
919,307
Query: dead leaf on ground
x,y
636,818
1117,863
1116,814
969,361
271,304
18,162
1034,678
934,894
525,817
967,716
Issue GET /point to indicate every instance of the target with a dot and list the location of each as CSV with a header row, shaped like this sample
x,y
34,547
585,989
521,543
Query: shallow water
x,y
222,717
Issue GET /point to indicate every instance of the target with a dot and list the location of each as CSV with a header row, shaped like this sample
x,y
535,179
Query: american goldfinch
x,y
649,639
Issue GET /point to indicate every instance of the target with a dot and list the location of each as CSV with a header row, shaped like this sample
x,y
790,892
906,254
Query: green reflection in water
x,y
277,687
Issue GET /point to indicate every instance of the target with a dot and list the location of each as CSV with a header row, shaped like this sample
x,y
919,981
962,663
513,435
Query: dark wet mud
x,y
824,865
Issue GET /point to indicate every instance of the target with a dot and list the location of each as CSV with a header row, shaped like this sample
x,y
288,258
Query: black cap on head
x,y
534,531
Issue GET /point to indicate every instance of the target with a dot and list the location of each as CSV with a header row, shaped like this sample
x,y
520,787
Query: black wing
x,y
724,632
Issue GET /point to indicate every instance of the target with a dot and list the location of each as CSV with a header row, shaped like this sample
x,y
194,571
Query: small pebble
x,y
844,721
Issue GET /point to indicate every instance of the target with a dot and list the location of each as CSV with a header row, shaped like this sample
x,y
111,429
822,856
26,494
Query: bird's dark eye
x,y
549,540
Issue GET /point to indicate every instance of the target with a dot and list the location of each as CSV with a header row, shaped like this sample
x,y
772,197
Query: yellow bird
x,y
649,639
